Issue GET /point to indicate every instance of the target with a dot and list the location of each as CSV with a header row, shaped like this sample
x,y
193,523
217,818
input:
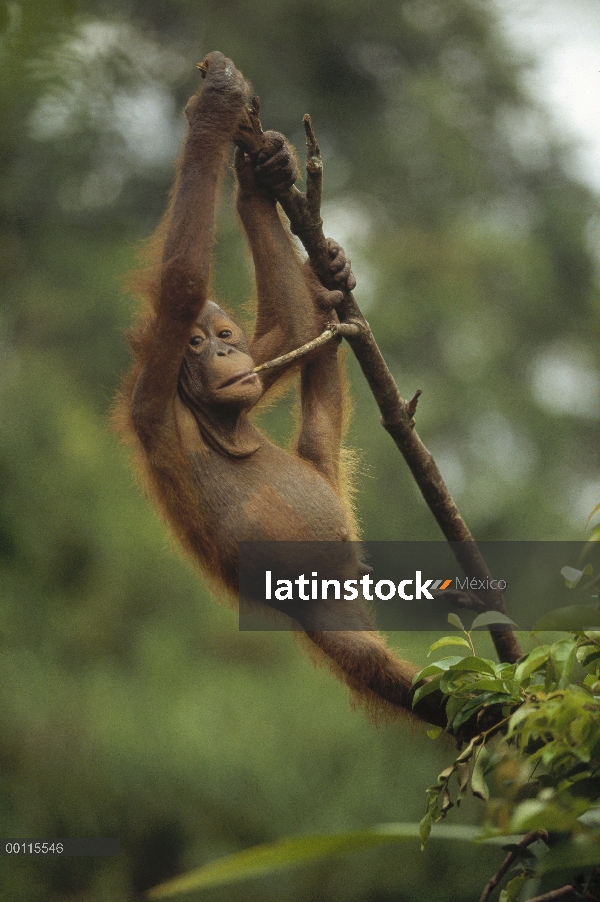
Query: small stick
x,y
411,407
344,329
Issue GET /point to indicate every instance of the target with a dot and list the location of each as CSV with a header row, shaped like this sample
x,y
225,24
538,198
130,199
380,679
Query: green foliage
x,y
536,764
288,853
514,887
285,853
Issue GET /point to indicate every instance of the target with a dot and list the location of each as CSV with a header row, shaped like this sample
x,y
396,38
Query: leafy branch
x,y
538,768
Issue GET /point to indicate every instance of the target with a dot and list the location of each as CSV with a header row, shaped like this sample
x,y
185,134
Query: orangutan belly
x,y
270,496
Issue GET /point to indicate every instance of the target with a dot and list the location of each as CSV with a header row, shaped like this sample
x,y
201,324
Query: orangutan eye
x,y
196,341
225,333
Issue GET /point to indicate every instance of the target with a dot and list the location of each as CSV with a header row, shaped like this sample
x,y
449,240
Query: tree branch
x,y
304,214
512,856
564,894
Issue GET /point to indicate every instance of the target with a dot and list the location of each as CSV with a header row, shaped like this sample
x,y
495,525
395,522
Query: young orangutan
x,y
218,480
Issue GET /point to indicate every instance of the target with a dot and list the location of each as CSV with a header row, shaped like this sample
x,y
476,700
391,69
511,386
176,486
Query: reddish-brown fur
x,y
185,403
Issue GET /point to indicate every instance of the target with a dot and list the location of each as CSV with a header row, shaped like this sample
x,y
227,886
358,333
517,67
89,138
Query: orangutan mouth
x,y
244,376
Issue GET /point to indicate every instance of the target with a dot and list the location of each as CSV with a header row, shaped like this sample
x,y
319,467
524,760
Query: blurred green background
x,y
130,704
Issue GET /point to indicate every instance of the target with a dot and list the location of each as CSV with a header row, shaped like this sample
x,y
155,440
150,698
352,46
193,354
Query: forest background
x,y
130,704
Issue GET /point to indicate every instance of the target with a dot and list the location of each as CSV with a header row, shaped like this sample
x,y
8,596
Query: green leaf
x,y
518,717
591,682
488,685
499,698
551,675
567,668
425,826
513,888
477,665
534,659
284,853
453,706
429,671
586,655
463,779
446,774
479,787
466,711
455,620
534,814
561,649
591,817
467,753
437,667
448,640
505,671
447,802
490,617
577,617
267,858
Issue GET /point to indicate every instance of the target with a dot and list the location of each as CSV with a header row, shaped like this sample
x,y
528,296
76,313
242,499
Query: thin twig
x,y
303,212
344,329
512,856
411,407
